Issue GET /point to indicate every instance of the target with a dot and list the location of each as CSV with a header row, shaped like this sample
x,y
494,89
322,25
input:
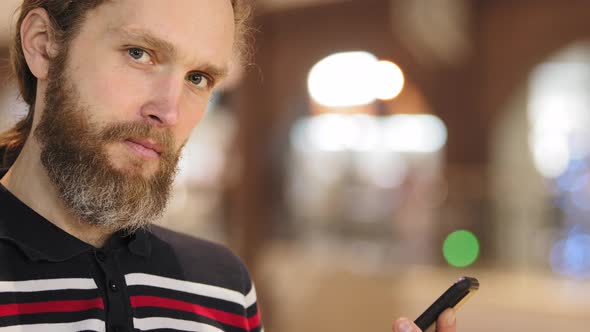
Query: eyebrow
x,y
152,41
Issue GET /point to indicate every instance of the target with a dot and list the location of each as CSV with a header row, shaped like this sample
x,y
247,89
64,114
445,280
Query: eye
x,y
139,55
198,80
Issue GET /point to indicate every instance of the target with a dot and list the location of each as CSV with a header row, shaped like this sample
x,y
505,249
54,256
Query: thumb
x,y
405,325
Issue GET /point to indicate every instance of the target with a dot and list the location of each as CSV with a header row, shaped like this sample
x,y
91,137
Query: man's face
x,y
136,81
151,61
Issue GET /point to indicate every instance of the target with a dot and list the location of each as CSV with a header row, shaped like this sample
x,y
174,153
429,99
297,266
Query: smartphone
x,y
454,297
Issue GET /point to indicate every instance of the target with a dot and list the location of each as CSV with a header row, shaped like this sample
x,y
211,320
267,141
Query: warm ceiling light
x,y
388,80
343,80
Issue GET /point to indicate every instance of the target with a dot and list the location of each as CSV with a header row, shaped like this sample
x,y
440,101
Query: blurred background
x,y
377,150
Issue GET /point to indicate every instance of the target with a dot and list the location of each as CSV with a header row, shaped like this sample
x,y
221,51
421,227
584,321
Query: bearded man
x,y
114,89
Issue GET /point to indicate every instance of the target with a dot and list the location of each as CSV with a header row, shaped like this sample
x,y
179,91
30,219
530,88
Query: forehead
x,y
198,29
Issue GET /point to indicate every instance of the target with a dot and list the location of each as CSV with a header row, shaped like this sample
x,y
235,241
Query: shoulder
x,y
202,260
190,245
205,273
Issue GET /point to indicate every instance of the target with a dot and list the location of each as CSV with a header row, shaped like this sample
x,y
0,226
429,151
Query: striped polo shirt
x,y
155,280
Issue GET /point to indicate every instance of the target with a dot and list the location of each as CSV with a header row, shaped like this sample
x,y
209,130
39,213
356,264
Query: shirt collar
x,y
39,239
140,243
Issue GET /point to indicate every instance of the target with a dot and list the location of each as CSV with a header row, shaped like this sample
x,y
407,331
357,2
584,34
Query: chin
x,y
139,169
131,165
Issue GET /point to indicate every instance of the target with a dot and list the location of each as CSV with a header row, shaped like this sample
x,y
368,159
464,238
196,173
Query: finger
x,y
405,325
447,321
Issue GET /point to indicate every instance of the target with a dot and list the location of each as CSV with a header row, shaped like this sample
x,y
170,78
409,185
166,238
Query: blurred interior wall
x,y
508,38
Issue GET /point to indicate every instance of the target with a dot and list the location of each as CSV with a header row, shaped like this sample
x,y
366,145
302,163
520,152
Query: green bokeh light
x,y
461,248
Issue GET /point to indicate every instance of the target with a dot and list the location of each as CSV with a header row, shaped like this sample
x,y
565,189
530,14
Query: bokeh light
x,y
421,133
551,154
461,248
571,256
351,79
388,80
409,133
340,80
558,116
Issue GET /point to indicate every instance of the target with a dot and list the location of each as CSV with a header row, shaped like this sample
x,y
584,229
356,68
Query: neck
x,y
28,181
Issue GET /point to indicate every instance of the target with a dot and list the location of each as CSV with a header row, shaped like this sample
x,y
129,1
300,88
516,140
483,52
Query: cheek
x,y
127,93
191,113
108,91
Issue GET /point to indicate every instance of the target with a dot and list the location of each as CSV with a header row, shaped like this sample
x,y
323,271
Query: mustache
x,y
123,131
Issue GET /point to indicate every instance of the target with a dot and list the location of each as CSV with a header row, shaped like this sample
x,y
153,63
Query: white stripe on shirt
x,y
41,285
142,279
153,323
84,325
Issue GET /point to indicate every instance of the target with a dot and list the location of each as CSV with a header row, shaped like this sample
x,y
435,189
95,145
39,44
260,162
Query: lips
x,y
146,148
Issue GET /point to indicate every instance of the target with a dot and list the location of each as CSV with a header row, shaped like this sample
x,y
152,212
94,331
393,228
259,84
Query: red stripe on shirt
x,y
50,306
218,315
254,321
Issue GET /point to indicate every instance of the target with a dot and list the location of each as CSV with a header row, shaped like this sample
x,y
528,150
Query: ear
x,y
38,42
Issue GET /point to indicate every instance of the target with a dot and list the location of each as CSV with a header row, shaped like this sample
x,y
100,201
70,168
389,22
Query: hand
x,y
445,323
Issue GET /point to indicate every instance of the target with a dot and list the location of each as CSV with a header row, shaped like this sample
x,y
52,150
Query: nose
x,y
163,106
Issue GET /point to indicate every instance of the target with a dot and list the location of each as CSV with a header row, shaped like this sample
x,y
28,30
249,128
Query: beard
x,y
74,156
